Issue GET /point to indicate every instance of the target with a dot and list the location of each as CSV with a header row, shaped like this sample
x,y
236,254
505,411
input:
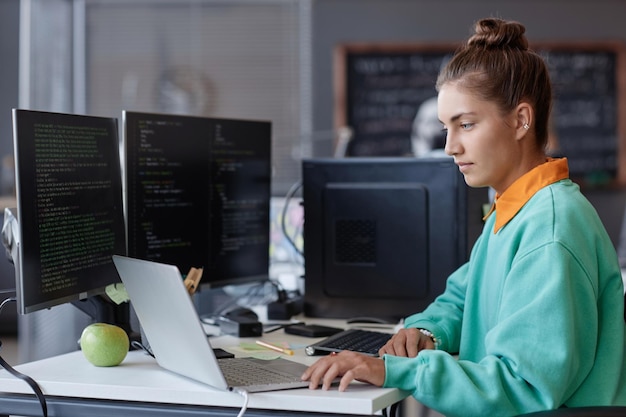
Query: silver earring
x,y
526,126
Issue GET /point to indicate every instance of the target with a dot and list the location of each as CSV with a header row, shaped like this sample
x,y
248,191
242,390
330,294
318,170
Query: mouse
x,y
241,312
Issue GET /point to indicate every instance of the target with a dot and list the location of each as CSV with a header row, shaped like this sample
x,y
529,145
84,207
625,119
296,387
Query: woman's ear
x,y
525,119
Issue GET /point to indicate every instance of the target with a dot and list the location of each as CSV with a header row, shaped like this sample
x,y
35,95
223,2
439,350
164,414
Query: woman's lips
x,y
463,166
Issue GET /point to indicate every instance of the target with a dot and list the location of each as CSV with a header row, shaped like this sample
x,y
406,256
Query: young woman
x,y
537,314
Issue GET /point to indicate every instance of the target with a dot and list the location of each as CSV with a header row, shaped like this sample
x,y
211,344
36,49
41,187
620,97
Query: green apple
x,y
104,344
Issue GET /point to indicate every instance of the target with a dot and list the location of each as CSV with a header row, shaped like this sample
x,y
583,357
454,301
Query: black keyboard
x,y
357,340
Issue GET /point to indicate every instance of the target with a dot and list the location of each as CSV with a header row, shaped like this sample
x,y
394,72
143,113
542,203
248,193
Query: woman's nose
x,y
451,145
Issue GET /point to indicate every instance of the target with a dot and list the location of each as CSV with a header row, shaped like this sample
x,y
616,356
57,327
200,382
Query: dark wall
x,y
353,21
610,205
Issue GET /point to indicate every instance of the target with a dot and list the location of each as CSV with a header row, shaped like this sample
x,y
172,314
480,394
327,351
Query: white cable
x,y
244,394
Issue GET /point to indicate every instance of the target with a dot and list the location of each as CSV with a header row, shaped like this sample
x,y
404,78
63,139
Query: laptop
x,y
177,339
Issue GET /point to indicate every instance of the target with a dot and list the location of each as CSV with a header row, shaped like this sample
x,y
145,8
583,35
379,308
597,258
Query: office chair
x,y
599,411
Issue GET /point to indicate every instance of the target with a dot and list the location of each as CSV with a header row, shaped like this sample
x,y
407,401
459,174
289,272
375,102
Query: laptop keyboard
x,y
357,340
241,372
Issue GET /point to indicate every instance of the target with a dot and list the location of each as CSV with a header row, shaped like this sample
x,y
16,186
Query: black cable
x,y
283,224
249,297
6,301
140,346
29,381
392,410
281,294
35,387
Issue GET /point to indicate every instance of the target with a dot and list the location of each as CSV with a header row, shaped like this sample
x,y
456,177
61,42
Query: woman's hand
x,y
407,342
349,366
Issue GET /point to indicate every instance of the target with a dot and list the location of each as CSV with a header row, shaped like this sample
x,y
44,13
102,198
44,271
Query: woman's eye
x,y
466,126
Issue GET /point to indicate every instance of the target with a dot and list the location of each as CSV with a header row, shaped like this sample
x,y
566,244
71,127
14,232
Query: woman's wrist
x,y
432,337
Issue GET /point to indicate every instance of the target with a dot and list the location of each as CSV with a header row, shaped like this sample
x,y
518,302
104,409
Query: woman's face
x,y
481,139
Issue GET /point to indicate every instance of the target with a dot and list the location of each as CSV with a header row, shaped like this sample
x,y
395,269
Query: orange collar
x,y
513,198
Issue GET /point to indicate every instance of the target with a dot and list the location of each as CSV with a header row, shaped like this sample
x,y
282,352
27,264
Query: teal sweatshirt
x,y
536,318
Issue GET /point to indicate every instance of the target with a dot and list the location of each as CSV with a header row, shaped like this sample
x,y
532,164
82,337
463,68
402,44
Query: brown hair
x,y
496,65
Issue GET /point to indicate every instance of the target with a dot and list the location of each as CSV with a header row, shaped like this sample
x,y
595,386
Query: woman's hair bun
x,y
498,33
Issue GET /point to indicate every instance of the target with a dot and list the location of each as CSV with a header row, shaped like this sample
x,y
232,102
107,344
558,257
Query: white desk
x,y
139,387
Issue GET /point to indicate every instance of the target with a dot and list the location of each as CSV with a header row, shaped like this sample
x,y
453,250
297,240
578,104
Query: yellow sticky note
x,y
255,351
117,293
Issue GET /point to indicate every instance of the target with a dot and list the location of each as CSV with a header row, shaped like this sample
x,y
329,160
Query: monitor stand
x,y
102,310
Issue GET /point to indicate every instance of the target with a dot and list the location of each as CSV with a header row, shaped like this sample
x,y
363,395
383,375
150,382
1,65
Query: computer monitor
x,y
198,194
381,235
69,208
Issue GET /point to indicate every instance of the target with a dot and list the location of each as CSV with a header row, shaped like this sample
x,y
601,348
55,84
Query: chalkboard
x,y
380,87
